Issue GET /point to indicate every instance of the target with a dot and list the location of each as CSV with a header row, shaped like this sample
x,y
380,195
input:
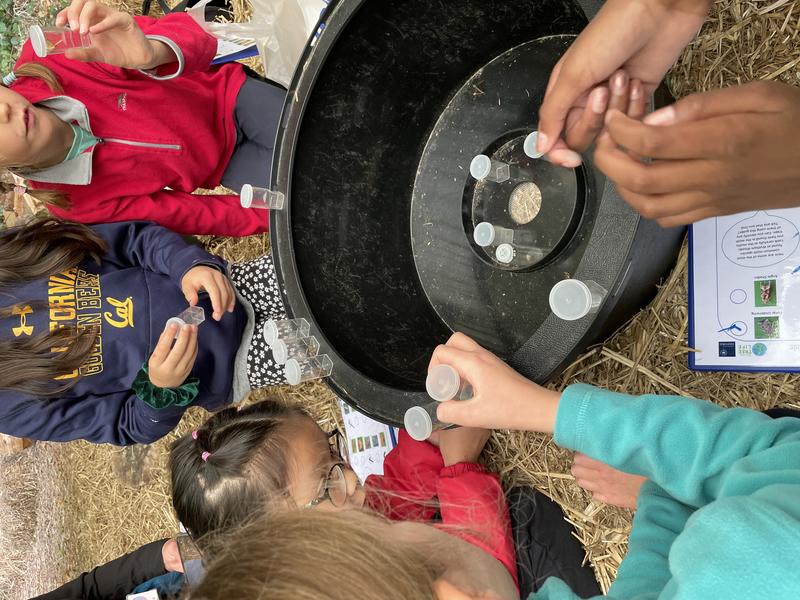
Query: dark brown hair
x,y
39,71
244,473
42,248
309,555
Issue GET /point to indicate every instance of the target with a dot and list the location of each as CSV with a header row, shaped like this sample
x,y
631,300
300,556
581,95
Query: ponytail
x,y
41,72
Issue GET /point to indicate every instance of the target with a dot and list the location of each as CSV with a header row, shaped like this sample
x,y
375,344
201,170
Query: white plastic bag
x,y
281,29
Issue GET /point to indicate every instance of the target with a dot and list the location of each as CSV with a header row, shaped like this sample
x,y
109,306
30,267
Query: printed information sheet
x,y
368,441
744,292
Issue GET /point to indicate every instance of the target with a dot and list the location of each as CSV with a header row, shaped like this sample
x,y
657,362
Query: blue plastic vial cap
x,y
484,234
442,383
529,145
418,423
480,167
504,253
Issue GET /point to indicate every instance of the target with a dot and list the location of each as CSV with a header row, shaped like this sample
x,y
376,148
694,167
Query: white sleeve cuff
x,y
178,53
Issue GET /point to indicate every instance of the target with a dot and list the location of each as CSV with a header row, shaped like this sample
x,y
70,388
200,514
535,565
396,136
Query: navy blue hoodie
x,y
130,296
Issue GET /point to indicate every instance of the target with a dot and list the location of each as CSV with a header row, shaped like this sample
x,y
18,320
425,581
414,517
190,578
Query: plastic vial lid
x,y
293,372
442,383
480,167
280,352
176,321
570,299
246,195
270,332
484,234
418,423
38,41
529,145
504,253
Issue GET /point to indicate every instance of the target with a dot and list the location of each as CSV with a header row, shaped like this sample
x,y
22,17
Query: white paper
x,y
746,291
227,47
368,442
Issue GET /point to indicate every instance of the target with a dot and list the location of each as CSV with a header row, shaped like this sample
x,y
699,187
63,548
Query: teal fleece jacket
x,y
720,516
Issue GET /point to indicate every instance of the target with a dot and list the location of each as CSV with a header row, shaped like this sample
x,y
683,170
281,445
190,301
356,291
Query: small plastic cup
x,y
262,198
47,41
529,145
482,167
486,234
421,421
194,315
572,299
444,383
287,330
300,349
314,367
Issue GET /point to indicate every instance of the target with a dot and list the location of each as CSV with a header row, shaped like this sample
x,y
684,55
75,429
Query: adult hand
x,y
715,153
216,284
169,365
606,483
462,444
643,37
116,38
503,399
171,557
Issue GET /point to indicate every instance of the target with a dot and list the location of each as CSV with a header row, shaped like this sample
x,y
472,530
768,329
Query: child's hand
x,y
606,483
216,284
116,38
462,444
169,366
715,153
503,399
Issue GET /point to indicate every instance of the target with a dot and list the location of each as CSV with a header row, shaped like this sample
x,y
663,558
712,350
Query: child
x,y
240,464
131,132
85,307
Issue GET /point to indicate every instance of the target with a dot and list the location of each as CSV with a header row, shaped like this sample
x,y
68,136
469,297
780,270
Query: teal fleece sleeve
x,y
721,515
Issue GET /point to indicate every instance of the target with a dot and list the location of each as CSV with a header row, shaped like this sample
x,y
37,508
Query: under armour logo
x,y
23,328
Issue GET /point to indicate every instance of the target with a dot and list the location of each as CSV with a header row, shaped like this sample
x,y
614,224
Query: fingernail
x,y
599,101
618,83
663,116
636,90
542,143
571,160
74,24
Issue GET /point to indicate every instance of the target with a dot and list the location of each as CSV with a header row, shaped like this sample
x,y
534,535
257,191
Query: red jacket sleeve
x,y
406,491
474,508
179,211
197,47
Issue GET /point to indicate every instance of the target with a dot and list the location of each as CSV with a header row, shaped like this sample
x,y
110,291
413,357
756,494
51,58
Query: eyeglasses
x,y
334,486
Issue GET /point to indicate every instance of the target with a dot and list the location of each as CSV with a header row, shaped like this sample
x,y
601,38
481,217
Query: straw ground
x,y
91,511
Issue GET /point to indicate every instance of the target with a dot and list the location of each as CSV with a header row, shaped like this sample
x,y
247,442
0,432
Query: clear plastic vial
x,y
573,299
315,367
486,234
300,349
444,383
258,197
421,421
194,315
287,330
482,167
47,41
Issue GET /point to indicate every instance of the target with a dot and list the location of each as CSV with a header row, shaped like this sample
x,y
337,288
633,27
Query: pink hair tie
x,y
205,456
194,434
